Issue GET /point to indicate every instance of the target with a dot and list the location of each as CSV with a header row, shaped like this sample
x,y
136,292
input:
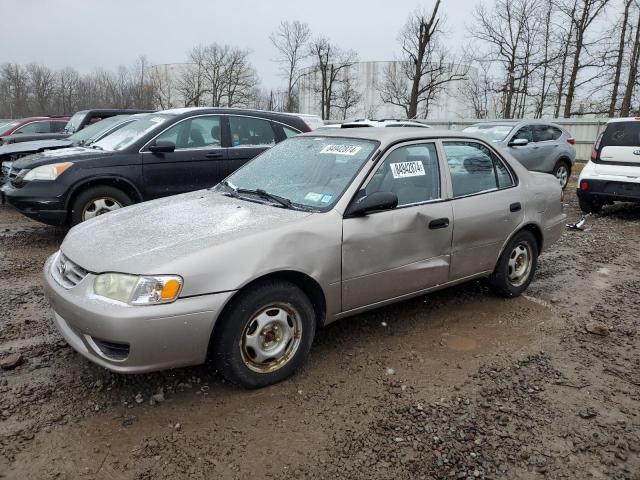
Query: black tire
x,y
589,206
227,349
500,281
556,171
90,195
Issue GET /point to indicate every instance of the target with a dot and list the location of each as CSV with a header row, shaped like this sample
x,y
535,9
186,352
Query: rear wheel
x,y
589,206
516,266
562,172
264,336
97,201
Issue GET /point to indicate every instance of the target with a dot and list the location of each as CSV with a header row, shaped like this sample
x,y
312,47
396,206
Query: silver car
x,y
538,145
318,228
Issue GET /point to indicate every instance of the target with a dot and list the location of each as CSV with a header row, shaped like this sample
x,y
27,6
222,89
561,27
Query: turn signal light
x,y
561,196
170,290
584,186
571,140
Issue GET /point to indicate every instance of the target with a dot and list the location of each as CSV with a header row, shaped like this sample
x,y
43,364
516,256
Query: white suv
x,y
613,173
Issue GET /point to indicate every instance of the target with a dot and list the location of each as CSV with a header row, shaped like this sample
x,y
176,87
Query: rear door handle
x,y
515,207
439,223
214,155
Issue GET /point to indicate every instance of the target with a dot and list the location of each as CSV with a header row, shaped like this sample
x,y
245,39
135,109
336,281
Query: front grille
x,y
67,273
6,170
112,350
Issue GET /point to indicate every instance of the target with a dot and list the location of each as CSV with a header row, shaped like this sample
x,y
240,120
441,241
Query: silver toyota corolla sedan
x,y
318,228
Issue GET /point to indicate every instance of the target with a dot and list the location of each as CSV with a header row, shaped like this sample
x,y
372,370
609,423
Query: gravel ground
x,y
456,384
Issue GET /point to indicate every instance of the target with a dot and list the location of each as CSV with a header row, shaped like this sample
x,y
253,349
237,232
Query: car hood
x,y
72,154
148,237
36,145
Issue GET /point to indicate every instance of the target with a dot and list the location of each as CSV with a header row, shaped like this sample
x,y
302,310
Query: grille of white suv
x,y
67,273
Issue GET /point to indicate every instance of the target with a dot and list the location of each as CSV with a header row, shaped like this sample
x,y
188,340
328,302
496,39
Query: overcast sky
x,y
86,34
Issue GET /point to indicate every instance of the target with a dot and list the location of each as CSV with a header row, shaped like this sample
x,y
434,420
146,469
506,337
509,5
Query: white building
x,y
369,75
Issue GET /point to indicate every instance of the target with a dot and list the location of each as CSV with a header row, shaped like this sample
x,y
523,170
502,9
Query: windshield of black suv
x,y
92,132
311,172
74,122
130,133
491,131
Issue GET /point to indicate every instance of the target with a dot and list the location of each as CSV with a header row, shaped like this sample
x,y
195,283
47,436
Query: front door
x,y
196,163
528,155
487,206
397,252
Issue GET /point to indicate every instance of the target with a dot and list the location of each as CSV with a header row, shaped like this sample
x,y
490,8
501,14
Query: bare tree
x,y
479,92
329,62
632,76
290,40
348,95
424,68
42,82
624,21
582,14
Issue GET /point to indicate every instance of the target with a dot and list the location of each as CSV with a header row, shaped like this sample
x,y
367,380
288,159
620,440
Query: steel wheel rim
x,y
562,174
520,263
271,338
100,206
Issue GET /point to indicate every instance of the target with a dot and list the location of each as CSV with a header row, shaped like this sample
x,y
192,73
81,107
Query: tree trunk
x,y
633,73
621,45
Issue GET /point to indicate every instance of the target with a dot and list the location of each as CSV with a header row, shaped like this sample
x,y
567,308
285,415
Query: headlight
x,y
136,290
47,172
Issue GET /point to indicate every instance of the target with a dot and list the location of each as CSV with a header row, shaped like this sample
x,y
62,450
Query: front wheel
x,y
516,266
97,201
264,336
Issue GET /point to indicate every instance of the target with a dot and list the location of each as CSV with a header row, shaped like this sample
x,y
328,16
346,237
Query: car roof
x,y
387,136
624,119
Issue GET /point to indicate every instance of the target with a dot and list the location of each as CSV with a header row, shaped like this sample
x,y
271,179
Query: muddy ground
x,y
456,384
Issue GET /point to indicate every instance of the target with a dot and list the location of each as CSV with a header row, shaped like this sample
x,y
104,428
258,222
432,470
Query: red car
x,y
34,125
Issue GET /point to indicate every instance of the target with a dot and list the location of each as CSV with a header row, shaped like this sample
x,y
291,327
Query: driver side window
x,y
411,172
524,132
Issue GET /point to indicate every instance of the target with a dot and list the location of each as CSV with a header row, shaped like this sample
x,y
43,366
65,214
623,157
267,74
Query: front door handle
x,y
214,155
515,207
439,223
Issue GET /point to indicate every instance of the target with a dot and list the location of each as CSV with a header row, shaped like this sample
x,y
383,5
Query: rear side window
x,y
475,168
621,134
289,132
544,133
57,126
249,131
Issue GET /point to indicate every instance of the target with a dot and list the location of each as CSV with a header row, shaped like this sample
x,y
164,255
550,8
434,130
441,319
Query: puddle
x,y
460,343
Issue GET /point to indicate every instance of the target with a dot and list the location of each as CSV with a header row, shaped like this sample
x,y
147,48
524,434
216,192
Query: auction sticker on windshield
x,y
407,169
350,150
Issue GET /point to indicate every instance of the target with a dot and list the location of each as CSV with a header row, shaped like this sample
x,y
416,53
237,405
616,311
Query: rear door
x,y
487,206
397,252
196,163
249,136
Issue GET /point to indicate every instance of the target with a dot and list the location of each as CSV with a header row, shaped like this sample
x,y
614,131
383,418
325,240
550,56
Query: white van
x,y
613,173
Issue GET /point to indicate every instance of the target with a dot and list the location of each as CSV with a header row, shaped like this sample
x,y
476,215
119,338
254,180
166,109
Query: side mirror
x,y
375,202
162,147
519,142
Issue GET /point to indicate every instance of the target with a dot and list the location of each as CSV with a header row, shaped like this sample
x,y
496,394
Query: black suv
x,y
158,154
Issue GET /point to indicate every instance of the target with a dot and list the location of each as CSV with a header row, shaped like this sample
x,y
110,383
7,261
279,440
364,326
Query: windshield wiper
x,y
285,202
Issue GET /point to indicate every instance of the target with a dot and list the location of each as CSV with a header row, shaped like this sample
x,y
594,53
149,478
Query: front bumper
x,y
40,201
157,337
609,191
